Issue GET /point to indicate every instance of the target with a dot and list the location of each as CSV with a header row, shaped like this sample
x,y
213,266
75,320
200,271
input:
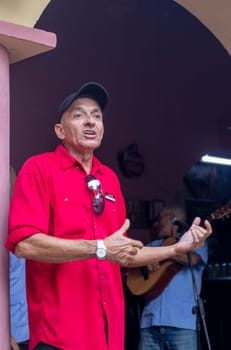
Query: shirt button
x,y
104,303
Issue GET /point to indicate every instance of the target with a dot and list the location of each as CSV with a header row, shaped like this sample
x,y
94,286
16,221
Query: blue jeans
x,y
23,345
167,338
43,346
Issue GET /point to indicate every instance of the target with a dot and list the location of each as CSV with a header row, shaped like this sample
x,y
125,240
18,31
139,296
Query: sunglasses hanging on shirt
x,y
94,185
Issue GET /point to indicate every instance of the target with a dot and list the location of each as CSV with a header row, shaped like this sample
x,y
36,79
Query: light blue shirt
x,y
173,307
18,302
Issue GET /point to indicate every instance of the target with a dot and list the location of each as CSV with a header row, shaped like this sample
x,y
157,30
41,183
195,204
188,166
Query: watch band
x,y
100,244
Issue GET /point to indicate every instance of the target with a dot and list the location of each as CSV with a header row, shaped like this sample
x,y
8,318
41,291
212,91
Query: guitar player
x,y
168,321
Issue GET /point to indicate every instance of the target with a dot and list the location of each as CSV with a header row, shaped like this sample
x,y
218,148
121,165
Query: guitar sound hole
x,y
144,272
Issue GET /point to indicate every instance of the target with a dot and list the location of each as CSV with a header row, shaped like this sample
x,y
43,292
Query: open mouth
x,y
90,134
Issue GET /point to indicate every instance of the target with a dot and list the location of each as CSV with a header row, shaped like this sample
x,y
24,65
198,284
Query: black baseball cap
x,y
92,90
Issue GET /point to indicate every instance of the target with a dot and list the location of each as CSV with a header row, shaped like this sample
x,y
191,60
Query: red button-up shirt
x,y
70,304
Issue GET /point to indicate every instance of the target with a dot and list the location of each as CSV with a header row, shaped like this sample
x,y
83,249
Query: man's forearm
x,y
44,248
184,259
150,255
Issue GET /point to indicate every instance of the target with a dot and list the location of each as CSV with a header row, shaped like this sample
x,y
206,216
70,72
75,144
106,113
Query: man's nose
x,y
89,119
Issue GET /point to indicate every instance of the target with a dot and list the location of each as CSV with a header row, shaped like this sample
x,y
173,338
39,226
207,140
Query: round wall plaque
x,y
131,161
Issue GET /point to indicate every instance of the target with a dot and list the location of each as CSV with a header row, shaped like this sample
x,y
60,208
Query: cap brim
x,y
92,90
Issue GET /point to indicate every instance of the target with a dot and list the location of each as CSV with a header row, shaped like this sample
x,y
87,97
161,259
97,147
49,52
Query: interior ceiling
x,y
215,15
24,12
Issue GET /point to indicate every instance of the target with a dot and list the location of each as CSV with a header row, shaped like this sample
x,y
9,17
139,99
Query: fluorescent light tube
x,y
215,160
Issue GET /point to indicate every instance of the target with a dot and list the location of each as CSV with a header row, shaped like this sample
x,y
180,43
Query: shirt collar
x,y
67,161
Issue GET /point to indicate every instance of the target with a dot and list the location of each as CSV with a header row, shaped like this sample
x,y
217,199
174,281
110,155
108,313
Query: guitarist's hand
x,y
153,267
121,249
194,237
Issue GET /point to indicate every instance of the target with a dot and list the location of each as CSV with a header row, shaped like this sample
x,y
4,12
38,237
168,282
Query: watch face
x,y
101,253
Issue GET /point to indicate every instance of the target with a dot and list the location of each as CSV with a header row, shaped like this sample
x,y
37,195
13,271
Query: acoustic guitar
x,y
150,284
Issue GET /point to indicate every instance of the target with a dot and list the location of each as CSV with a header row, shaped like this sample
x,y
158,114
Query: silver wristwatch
x,y
101,250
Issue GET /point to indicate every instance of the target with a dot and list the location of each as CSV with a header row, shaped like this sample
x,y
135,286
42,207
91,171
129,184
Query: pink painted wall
x,y
168,78
4,195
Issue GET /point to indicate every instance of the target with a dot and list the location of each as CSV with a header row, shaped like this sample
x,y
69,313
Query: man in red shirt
x,y
68,219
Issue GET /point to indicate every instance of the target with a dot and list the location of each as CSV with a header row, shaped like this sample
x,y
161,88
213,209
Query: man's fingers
x,y
137,244
134,251
206,230
124,227
196,221
208,227
132,242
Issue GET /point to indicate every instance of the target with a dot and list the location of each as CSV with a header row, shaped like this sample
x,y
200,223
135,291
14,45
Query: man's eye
x,y
97,116
77,115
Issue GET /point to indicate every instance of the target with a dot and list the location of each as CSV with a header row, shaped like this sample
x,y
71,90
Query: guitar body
x,y
156,282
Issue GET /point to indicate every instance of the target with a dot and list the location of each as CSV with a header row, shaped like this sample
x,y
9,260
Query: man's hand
x,y
13,344
121,249
153,267
194,237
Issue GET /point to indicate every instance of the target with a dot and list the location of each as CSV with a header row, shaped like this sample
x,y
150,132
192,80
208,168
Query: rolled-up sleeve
x,y
29,207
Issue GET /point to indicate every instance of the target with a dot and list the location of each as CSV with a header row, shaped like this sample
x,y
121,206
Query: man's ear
x,y
59,131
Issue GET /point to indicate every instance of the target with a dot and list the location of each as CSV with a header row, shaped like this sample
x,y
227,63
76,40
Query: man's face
x,y
81,127
163,226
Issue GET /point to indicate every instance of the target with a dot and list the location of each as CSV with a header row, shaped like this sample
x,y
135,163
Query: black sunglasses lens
x,y
98,205
94,186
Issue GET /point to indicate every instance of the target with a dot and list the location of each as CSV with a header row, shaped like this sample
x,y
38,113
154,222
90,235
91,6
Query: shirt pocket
x,y
70,216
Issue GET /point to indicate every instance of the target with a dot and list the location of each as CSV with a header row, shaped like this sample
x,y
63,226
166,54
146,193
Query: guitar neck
x,y
220,213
